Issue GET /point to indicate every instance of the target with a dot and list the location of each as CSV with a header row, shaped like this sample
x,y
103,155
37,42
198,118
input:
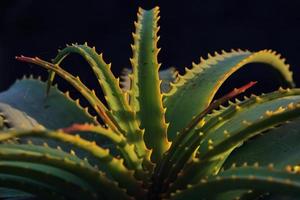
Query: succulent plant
x,y
152,140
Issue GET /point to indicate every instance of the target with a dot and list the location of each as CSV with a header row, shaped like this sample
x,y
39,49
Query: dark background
x,y
189,29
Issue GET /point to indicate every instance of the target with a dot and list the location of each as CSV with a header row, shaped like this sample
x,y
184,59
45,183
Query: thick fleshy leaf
x,y
108,82
265,179
114,166
195,90
280,146
173,160
17,119
40,189
64,161
145,94
88,94
62,181
250,119
126,124
9,194
120,142
53,112
227,129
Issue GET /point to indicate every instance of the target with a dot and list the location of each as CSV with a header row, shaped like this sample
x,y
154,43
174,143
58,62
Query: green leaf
x,y
44,150
228,128
195,90
247,122
89,95
257,178
280,146
115,166
145,95
68,162
119,141
62,181
10,194
126,123
28,96
25,106
40,189
179,153
105,77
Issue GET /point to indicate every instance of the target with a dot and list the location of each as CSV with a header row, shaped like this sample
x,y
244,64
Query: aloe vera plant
x,y
159,135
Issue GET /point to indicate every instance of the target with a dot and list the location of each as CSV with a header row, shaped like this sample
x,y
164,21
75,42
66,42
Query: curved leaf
x,y
115,166
71,163
269,180
227,129
17,119
168,165
27,185
247,123
61,181
110,85
127,150
10,194
105,77
126,124
28,96
280,146
195,90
